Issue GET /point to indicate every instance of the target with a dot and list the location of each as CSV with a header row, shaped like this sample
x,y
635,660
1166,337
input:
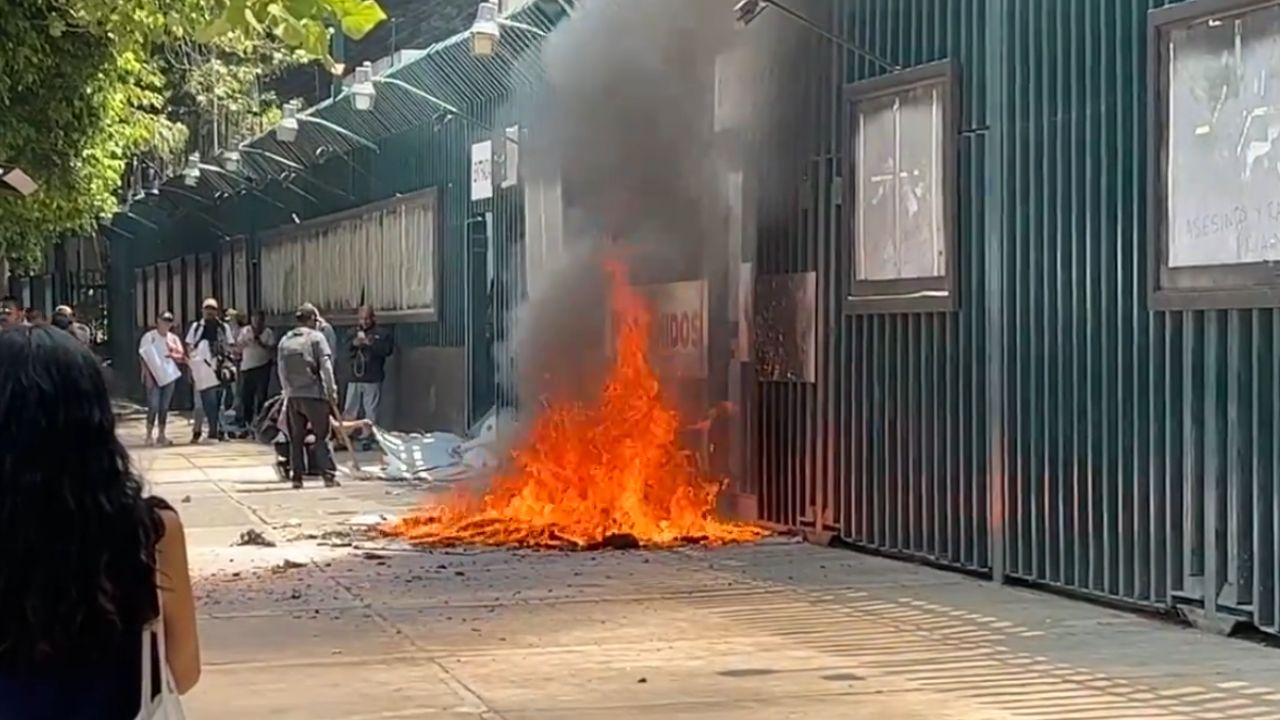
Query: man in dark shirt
x,y
370,347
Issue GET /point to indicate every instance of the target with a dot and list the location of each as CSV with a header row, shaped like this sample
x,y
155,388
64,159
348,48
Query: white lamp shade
x,y
287,130
362,97
483,44
485,31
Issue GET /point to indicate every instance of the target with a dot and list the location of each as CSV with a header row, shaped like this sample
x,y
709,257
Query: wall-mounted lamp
x,y
231,160
486,31
16,183
362,91
191,173
287,130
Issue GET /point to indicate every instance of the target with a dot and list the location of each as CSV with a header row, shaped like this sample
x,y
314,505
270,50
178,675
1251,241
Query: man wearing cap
x,y
162,356
208,344
305,365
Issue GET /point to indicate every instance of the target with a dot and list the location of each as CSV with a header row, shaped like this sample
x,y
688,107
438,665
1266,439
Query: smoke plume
x,y
626,127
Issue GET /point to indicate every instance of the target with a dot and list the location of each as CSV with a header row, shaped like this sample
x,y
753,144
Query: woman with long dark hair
x,y
87,563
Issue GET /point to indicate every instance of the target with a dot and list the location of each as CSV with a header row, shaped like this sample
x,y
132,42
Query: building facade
x,y
995,288
1046,297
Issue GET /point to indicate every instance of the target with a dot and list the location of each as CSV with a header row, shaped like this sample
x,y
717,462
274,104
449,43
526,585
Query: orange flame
x,y
590,475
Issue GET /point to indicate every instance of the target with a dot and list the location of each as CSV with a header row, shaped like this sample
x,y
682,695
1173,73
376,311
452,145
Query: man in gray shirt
x,y
305,365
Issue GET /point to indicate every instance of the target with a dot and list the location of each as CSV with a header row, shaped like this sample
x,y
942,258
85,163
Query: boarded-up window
x,y
899,227
1214,129
381,255
902,177
233,288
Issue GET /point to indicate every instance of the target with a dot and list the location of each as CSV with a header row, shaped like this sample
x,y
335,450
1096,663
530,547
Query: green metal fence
x,y
1055,428
419,142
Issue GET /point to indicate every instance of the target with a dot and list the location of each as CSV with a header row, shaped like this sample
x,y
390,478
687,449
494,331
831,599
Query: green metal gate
x,y
1055,428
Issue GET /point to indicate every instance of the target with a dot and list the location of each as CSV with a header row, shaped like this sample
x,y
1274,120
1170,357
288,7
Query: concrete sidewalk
x,y
776,630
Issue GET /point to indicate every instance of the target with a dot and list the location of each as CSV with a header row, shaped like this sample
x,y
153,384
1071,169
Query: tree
x,y
87,84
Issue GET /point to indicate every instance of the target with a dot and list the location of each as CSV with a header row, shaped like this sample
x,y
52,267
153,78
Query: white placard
x,y
482,170
511,165
678,329
155,355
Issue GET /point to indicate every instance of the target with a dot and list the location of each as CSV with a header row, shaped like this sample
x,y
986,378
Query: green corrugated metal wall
x,y
1053,429
422,156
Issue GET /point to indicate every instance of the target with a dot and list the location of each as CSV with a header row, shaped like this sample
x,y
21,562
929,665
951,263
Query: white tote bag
x,y
157,703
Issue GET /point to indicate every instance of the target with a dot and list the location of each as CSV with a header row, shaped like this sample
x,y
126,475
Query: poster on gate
x,y
678,329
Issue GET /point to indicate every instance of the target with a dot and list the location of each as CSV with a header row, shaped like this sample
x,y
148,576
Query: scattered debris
x,y
253,537
288,565
642,681
370,555
369,521
443,456
616,541
185,499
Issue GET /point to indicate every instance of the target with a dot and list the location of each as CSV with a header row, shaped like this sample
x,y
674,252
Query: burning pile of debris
x,y
607,473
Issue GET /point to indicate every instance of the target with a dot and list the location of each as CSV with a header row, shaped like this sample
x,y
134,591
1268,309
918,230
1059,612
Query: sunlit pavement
x,y
777,630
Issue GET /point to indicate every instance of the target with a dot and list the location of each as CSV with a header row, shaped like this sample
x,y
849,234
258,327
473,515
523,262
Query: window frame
x,y
429,197
906,295
1203,287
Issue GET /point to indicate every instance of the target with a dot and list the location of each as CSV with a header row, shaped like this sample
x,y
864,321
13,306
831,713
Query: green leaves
x,y
358,17
87,85
301,24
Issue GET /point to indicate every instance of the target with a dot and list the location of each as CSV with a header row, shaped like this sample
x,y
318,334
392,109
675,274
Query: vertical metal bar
x,y
1262,423
1213,465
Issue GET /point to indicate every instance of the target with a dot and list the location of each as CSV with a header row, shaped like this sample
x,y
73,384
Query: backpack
x,y
300,360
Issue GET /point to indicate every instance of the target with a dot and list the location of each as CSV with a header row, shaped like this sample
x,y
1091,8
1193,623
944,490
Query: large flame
x,y
590,474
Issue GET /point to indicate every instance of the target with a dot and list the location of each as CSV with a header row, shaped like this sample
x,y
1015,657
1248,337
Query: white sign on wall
x,y
482,170
511,157
678,329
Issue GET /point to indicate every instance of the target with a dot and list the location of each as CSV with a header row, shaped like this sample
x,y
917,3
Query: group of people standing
x,y
229,359
224,357
12,314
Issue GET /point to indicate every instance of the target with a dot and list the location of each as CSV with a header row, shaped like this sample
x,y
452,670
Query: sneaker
x,y
222,437
163,441
148,441
297,483
332,482
195,438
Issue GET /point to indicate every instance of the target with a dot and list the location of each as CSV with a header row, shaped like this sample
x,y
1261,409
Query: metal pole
x,y
997,64
833,37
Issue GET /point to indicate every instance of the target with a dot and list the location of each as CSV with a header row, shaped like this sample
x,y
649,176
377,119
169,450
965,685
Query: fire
x,y
606,473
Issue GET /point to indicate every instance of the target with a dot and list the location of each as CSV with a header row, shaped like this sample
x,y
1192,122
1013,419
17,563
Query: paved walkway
x,y
778,630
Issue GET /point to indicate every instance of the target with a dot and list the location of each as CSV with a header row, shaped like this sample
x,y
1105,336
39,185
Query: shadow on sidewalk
x,y
1006,650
